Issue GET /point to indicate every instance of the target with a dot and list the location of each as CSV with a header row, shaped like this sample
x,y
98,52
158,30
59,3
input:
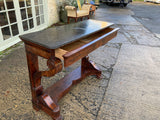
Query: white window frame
x,y
15,39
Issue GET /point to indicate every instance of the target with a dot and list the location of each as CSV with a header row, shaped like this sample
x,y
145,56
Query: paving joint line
x,y
135,17
79,101
109,79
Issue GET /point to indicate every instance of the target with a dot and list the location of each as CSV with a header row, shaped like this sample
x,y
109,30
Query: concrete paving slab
x,y
147,14
133,92
144,37
106,55
121,38
84,100
114,10
115,14
141,35
117,19
134,28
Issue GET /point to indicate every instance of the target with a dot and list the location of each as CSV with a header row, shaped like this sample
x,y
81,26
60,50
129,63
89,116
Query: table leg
x,y
35,83
62,87
40,100
48,100
90,67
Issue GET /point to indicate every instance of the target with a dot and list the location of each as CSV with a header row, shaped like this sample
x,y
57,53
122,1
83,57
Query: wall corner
x,y
53,13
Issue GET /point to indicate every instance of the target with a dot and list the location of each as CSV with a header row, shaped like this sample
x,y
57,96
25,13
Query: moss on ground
x,y
10,49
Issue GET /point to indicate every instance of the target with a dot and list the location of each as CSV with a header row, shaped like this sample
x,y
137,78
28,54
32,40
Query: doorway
x,y
18,17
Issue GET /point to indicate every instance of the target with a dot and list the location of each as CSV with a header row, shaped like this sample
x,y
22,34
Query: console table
x,y
63,46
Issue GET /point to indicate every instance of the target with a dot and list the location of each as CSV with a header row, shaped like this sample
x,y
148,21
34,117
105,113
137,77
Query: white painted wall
x,y
52,10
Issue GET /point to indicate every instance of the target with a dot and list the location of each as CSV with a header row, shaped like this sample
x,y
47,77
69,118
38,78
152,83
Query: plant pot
x,y
63,16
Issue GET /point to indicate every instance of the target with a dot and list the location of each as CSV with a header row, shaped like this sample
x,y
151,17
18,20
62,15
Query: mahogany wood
x,y
93,9
75,55
47,100
76,18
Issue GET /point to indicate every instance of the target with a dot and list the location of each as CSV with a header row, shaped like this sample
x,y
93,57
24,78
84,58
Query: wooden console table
x,y
64,44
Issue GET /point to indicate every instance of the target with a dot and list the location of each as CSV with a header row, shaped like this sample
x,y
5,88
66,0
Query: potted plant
x,y
62,11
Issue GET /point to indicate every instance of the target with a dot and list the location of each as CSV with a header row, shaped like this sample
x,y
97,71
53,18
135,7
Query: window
x,y
39,11
8,20
20,16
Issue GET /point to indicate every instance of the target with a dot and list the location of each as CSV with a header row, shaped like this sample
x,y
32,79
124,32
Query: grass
x,y
9,50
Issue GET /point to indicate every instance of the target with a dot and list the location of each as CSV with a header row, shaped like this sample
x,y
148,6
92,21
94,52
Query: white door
x,y
18,17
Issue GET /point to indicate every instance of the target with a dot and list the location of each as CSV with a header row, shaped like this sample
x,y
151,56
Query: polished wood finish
x,y
55,37
76,18
93,9
70,52
75,55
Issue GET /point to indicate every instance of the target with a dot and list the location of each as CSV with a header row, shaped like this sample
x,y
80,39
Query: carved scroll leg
x,y
50,107
90,67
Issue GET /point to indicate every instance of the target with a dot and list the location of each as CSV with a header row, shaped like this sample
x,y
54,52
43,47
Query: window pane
x,y
14,29
9,4
29,11
6,33
37,10
2,5
42,19
31,23
23,14
3,19
25,25
40,1
12,16
28,2
41,9
36,2
21,3
38,20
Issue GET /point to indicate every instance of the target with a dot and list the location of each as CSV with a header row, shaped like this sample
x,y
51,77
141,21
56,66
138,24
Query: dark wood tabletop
x,y
55,37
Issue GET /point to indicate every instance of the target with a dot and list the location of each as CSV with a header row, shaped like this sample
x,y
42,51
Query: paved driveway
x,y
132,92
129,88
148,15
